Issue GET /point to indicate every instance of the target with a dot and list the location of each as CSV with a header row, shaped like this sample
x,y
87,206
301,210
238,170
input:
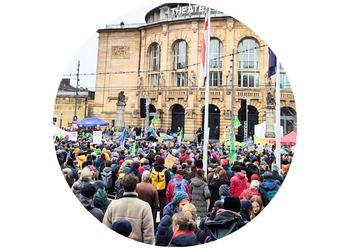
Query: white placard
x,y
97,137
73,136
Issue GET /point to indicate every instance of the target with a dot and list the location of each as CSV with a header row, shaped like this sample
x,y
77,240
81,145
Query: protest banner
x,y
73,136
169,160
97,137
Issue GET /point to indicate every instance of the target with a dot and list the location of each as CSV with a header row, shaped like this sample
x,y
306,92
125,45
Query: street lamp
x,y
61,119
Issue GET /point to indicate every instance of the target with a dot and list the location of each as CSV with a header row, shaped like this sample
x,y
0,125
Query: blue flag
x,y
272,64
122,137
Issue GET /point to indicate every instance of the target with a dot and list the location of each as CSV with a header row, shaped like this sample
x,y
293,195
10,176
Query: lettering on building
x,y
121,52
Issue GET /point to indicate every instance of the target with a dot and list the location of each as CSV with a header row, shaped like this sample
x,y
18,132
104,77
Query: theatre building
x,y
160,59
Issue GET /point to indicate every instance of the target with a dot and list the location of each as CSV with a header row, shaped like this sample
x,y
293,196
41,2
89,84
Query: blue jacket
x,y
165,222
136,172
267,185
184,240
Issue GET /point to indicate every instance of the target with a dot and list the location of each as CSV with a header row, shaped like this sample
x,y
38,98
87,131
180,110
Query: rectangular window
x,y
248,79
215,79
180,79
154,81
239,79
284,82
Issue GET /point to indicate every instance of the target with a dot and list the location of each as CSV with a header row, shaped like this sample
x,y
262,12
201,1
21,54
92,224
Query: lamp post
x,y
61,119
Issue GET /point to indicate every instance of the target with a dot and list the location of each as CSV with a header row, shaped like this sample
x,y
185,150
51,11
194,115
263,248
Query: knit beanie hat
x,y
135,164
88,190
232,203
255,184
99,184
246,205
179,196
267,175
275,167
160,160
224,190
122,227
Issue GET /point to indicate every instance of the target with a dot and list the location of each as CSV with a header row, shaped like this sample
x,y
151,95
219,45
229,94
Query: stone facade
x,y
124,56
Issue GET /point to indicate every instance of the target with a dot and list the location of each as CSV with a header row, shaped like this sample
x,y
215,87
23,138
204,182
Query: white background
x,y
38,41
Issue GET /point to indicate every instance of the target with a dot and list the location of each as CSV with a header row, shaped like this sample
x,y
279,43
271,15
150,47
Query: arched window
x,y
215,63
248,63
154,66
180,64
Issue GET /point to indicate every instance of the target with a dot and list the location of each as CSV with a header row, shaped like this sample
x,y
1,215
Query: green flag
x,y
181,135
133,148
233,147
237,123
155,119
83,135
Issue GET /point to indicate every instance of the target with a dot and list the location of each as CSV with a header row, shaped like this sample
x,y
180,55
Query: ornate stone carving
x,y
230,24
139,82
190,113
269,99
136,113
121,98
227,114
194,27
165,29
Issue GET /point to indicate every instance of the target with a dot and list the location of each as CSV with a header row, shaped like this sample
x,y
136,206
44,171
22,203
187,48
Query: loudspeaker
x,y
143,107
243,109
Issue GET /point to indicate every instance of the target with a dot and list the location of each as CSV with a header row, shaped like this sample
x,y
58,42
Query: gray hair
x,y
146,162
146,175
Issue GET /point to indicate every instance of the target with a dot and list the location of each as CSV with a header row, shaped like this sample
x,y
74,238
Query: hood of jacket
x,y
252,191
147,167
135,171
269,183
170,209
186,239
86,202
158,167
197,182
240,175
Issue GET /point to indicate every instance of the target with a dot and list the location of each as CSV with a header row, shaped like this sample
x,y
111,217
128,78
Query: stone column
x,y
270,119
120,116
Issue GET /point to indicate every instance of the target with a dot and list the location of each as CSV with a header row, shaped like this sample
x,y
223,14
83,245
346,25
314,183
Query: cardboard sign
x,y
169,160
169,144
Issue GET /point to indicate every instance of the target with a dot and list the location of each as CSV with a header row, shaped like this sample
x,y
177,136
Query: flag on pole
x,y
133,148
223,137
83,135
155,119
233,147
151,127
237,123
203,66
181,134
122,137
107,133
272,64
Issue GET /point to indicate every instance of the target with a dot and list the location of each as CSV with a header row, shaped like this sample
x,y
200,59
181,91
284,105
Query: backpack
x,y
158,179
270,195
179,186
106,177
100,200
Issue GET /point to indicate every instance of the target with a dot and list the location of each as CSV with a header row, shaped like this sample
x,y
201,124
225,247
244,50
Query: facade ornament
x,y
190,113
165,29
121,98
194,27
269,99
139,82
227,114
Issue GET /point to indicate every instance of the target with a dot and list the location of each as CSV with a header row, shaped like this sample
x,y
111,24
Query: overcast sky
x,y
87,54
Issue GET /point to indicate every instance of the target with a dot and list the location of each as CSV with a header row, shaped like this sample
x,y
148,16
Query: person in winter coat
x,y
136,211
238,184
86,198
200,193
226,166
159,167
254,177
275,173
135,170
170,191
262,168
85,178
148,193
101,201
214,186
227,220
70,166
180,199
183,228
107,157
269,186
251,191
146,165
105,175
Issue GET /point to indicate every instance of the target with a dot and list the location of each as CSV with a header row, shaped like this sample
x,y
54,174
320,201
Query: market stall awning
x,y
91,122
289,139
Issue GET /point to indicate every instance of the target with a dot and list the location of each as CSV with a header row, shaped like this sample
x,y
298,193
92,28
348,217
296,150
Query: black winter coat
x,y
165,222
184,240
198,232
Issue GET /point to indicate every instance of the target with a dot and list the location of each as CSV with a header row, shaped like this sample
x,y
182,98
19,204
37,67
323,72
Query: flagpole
x,y
206,105
278,119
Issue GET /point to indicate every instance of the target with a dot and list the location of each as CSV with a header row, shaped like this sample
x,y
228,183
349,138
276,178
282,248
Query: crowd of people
x,y
135,192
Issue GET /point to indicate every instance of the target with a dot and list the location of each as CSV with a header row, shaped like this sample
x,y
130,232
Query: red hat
x,y
224,162
121,162
160,160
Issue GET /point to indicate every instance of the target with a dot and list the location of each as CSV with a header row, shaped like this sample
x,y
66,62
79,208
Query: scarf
x,y
180,233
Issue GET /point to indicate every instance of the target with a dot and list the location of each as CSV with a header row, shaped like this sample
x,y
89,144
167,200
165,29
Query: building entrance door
x,y
178,118
213,122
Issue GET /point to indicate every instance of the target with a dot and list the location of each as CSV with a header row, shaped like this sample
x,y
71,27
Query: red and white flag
x,y
205,43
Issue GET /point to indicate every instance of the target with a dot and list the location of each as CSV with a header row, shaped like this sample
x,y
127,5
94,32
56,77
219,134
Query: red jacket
x,y
238,184
170,189
248,193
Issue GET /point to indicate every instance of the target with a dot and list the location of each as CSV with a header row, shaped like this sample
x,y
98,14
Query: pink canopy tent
x,y
289,139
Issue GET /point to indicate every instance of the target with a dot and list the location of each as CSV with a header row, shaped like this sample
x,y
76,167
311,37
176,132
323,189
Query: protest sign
x,y
97,137
169,160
